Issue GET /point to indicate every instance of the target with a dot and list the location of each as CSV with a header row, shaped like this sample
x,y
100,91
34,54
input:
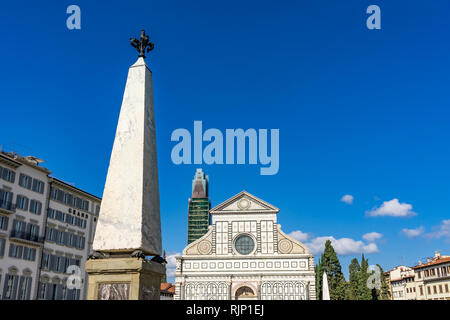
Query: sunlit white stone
x,y
129,215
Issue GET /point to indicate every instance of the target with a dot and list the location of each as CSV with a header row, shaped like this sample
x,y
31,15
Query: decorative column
x,y
129,225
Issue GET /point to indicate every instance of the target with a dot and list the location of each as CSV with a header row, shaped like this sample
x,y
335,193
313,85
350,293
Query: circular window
x,y
244,244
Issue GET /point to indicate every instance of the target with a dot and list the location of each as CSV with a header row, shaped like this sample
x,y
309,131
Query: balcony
x,y
7,207
27,237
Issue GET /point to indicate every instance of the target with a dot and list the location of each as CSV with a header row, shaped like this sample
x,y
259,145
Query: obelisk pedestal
x,y
124,279
129,224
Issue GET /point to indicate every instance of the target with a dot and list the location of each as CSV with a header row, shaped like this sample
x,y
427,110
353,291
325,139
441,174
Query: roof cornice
x,y
71,188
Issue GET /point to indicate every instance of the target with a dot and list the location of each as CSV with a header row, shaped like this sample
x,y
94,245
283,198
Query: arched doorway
x,y
245,293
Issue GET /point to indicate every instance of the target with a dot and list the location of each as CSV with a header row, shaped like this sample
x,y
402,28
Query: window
x,y
244,244
69,218
6,199
33,230
80,222
60,237
51,213
24,288
29,254
421,290
85,205
60,263
49,235
440,288
434,290
10,290
38,186
60,195
60,216
35,207
80,242
446,288
19,228
3,223
15,251
2,246
64,292
7,175
45,263
78,202
53,193
42,290
66,265
72,240
22,202
56,262
429,290
68,199
25,181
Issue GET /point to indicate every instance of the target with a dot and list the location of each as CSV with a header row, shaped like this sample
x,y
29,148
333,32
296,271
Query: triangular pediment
x,y
244,202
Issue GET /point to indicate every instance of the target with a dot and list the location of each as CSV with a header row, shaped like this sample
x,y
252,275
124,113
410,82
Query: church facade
x,y
245,255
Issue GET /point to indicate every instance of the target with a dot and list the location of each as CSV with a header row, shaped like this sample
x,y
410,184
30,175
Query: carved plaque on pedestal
x,y
150,293
113,291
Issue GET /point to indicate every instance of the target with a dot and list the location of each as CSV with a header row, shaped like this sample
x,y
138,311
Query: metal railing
x,y
26,236
7,205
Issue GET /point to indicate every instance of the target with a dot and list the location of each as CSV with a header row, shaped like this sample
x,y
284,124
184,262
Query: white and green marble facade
x,y
277,268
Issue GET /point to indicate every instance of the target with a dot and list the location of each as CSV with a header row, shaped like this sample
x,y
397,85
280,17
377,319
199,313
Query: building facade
x,y
199,206
425,281
245,255
432,279
46,232
23,193
167,290
401,281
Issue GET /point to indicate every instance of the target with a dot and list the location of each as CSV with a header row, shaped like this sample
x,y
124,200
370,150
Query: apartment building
x,y
432,279
425,281
401,280
46,231
23,194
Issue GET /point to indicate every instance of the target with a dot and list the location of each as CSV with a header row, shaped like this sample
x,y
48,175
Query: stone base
x,y
124,279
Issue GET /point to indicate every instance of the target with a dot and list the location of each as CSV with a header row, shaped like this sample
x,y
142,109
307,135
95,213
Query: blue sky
x,y
360,112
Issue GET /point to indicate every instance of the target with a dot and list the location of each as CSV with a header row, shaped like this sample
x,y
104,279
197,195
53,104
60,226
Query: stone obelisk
x,y
326,290
129,225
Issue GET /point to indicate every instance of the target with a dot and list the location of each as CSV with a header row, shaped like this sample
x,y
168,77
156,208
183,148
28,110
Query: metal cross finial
x,y
142,44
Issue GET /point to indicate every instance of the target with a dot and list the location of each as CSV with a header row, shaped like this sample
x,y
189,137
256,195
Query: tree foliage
x,y
357,287
330,264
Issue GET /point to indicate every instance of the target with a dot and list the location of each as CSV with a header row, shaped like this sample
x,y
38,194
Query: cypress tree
x,y
383,292
364,292
319,276
330,264
353,283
